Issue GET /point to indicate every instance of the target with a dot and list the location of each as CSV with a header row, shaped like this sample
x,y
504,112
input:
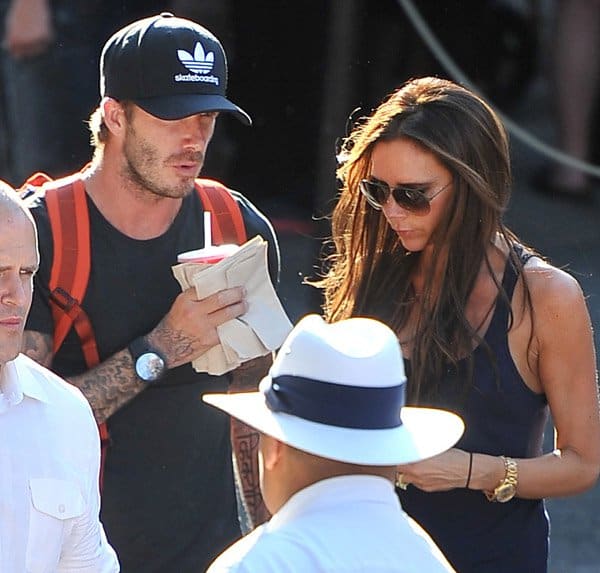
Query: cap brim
x,y
184,105
424,432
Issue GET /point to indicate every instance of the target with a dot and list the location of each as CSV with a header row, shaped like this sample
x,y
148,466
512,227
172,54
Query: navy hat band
x,y
359,407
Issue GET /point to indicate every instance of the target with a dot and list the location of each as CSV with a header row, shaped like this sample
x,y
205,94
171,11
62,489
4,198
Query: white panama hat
x,y
337,391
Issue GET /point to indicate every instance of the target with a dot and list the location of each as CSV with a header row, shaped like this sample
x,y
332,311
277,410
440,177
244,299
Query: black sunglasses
x,y
412,199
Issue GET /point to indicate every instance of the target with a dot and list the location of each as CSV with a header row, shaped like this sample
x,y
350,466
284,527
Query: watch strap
x,y
509,481
139,346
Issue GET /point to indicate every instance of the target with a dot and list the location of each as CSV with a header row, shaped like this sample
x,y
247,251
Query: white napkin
x,y
262,329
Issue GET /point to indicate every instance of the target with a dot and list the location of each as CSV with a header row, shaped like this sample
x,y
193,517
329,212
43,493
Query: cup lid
x,y
212,254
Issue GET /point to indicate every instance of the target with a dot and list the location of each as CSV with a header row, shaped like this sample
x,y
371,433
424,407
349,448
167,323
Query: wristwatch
x,y
149,364
507,488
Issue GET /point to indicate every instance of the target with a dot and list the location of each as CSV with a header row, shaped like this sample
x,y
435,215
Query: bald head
x,y
286,470
19,261
11,203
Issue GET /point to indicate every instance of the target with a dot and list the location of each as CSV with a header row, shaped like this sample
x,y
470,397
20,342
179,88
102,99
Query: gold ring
x,y
400,482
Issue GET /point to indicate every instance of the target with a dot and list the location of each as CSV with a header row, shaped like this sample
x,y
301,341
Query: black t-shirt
x,y
168,502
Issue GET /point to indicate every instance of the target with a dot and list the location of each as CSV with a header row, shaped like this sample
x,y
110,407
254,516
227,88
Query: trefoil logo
x,y
200,63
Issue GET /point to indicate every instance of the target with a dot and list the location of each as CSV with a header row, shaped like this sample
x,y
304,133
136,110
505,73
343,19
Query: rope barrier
x,y
458,75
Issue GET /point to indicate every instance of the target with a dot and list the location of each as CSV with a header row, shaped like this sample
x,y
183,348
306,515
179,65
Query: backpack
x,y
66,202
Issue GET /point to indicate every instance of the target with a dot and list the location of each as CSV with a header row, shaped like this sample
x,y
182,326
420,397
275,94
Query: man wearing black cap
x,y
168,500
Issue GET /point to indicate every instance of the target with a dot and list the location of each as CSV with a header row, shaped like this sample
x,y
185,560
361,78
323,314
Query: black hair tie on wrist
x,y
470,468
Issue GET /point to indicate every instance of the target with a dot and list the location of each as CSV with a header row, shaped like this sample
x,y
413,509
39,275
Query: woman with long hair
x,y
489,329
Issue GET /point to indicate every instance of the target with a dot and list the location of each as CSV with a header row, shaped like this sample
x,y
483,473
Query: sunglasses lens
x,y
411,200
375,192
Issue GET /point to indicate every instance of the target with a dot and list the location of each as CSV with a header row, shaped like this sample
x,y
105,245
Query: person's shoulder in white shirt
x,y
49,465
50,446
344,524
37,378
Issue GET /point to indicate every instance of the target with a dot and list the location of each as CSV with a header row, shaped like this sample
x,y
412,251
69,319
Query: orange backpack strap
x,y
70,224
33,184
69,219
228,224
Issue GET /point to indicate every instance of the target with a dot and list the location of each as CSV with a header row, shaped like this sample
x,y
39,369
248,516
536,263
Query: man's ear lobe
x,y
272,450
113,115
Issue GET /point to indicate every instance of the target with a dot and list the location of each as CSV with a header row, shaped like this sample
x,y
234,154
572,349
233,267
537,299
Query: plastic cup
x,y
208,255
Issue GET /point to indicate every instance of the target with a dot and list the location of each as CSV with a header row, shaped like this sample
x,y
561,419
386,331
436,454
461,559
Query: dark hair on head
x,y
369,270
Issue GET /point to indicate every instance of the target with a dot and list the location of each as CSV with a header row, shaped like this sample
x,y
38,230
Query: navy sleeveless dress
x,y
502,417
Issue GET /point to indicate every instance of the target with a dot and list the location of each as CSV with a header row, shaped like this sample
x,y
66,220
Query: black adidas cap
x,y
170,67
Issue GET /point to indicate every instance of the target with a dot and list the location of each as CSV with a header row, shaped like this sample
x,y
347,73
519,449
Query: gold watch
x,y
507,488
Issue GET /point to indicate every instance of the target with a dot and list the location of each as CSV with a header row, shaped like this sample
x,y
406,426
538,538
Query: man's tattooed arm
x,y
245,440
107,387
110,385
188,330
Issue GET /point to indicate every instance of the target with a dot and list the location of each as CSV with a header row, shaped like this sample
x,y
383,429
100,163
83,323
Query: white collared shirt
x,y
49,463
343,524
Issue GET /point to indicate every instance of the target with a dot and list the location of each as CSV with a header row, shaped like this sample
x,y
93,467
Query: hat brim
x,y
184,105
424,432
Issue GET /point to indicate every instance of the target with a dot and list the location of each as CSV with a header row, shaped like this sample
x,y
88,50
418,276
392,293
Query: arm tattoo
x,y
107,387
38,347
179,347
110,385
247,376
245,441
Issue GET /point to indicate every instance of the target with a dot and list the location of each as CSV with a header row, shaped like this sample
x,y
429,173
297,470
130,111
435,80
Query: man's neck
x,y
133,210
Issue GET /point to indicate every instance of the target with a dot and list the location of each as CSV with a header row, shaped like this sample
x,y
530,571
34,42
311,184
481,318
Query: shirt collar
x,y
18,380
334,491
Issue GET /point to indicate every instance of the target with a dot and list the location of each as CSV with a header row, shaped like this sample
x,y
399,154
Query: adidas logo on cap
x,y
198,63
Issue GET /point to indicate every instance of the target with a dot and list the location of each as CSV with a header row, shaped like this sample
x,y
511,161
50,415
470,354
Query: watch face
x,y
149,367
505,492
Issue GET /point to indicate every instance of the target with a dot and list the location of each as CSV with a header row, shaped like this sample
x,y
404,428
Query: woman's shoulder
x,y
545,282
551,287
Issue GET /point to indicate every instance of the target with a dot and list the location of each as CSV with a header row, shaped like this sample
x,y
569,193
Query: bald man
x,y
49,445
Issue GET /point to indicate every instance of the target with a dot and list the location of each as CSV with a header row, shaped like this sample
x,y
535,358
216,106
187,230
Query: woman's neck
x,y
427,276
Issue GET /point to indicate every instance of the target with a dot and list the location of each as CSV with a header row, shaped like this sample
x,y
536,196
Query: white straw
x,y
207,230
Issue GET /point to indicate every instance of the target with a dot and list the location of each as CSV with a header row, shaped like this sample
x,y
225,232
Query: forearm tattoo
x,y
107,387
110,385
245,441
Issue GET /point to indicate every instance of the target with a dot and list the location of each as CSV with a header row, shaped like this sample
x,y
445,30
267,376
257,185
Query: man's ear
x,y
113,115
272,451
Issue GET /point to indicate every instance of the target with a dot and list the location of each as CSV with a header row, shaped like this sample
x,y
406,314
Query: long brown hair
x,y
369,271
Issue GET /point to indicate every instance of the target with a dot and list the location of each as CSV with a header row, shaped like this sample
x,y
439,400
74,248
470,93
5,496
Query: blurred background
x,y
302,69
